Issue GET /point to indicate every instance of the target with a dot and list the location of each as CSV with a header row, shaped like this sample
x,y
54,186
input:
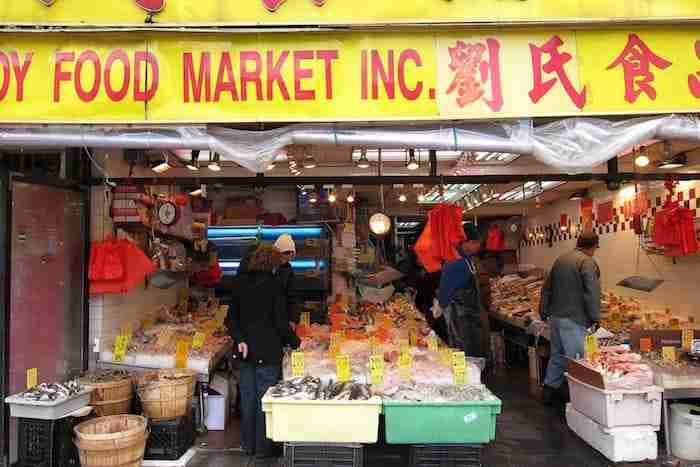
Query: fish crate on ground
x,y
170,439
322,421
46,443
445,455
617,407
323,455
465,422
47,410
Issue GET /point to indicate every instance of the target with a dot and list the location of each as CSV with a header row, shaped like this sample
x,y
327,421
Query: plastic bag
x,y
106,262
136,267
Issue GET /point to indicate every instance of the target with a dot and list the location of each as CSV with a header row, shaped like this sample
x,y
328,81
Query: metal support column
x,y
4,306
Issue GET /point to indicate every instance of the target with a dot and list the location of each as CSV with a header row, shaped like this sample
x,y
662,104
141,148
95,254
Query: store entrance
x,y
47,276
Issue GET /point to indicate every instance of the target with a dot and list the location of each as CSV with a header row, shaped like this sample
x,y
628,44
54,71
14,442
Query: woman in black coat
x,y
259,325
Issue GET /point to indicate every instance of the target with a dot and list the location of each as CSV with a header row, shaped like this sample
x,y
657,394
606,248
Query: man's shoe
x,y
548,395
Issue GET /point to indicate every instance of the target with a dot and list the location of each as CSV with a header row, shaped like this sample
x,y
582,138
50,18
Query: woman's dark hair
x,y
265,259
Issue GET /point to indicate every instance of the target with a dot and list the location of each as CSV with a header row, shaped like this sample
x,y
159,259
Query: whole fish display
x,y
438,393
310,388
53,392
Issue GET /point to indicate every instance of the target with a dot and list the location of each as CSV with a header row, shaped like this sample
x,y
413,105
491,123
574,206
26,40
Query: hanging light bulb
x,y
193,164
313,198
214,164
412,163
642,159
351,198
363,162
402,198
421,198
379,224
332,197
309,162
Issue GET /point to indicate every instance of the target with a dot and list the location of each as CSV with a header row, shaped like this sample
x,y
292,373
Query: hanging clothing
x,y
674,229
495,239
442,232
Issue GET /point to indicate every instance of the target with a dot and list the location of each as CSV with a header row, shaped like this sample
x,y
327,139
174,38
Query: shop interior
x,y
356,213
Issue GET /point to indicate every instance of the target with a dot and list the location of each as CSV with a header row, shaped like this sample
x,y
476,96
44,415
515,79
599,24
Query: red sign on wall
x,y
605,212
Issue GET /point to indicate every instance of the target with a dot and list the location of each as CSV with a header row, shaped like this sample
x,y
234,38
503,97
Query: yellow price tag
x,y
669,354
460,376
32,377
404,345
342,368
405,364
372,345
413,337
591,346
616,321
305,318
433,343
198,340
181,354
336,340
120,345
445,355
675,323
459,360
687,338
298,364
376,369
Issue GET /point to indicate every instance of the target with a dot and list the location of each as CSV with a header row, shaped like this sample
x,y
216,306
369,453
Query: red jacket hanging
x,y
495,239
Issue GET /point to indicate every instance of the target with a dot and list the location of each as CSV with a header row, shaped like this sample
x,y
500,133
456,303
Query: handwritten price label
x,y
182,353
591,346
459,360
120,345
373,345
687,338
413,337
433,343
404,345
445,355
198,340
305,318
376,369
298,364
405,365
342,368
669,354
460,376
336,339
32,378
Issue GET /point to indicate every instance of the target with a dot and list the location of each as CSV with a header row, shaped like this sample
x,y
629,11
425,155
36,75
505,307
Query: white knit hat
x,y
285,243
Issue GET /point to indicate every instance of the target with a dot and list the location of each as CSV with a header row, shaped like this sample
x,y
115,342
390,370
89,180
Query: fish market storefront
x,y
147,145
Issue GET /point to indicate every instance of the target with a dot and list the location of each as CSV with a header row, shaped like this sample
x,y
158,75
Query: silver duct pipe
x,y
572,145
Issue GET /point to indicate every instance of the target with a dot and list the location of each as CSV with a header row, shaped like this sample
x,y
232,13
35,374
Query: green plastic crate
x,y
441,423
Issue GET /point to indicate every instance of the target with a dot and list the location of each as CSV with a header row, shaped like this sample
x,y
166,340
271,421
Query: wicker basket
x,y
114,441
111,398
167,393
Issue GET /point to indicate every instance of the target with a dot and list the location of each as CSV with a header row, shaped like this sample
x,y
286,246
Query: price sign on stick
x,y
32,378
688,336
445,356
120,345
669,354
405,364
198,340
181,354
342,368
459,360
298,363
591,346
433,343
376,369
460,376
305,318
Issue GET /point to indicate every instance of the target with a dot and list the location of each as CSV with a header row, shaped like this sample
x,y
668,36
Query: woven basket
x,y
114,441
111,398
167,393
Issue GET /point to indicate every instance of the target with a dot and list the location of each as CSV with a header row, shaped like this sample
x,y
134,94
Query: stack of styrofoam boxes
x,y
620,424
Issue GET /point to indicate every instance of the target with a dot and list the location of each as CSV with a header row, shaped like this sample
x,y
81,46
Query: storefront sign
x,y
341,12
102,78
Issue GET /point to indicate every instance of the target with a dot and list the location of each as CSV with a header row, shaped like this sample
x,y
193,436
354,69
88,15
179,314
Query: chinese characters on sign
x,y
473,71
554,65
635,60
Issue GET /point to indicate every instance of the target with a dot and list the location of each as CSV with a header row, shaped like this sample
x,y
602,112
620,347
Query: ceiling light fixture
x,y
402,198
412,163
363,162
313,199
193,165
642,159
201,191
332,197
681,160
214,164
351,198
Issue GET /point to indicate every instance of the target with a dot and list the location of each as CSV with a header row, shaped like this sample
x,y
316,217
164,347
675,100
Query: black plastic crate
x,y
445,455
323,455
170,439
46,443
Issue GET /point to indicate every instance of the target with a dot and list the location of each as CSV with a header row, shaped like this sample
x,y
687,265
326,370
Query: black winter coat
x,y
258,316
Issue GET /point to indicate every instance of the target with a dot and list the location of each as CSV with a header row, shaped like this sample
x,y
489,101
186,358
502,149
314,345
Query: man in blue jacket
x,y
458,296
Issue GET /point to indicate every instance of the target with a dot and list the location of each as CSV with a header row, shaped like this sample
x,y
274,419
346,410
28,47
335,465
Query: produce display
x,y
623,314
53,392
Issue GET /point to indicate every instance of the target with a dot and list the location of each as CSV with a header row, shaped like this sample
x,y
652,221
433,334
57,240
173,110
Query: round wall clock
x,y
168,213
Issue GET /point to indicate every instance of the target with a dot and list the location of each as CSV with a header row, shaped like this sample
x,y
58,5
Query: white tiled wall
x,y
619,256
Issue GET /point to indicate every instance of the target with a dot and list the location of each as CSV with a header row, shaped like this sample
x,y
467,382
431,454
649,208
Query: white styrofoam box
x,y
47,410
621,444
614,407
685,432
181,462
217,411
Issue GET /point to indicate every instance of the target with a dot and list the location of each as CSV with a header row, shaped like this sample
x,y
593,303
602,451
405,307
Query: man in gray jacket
x,y
571,303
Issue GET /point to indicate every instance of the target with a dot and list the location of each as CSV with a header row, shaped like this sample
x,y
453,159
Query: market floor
x,y
528,435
